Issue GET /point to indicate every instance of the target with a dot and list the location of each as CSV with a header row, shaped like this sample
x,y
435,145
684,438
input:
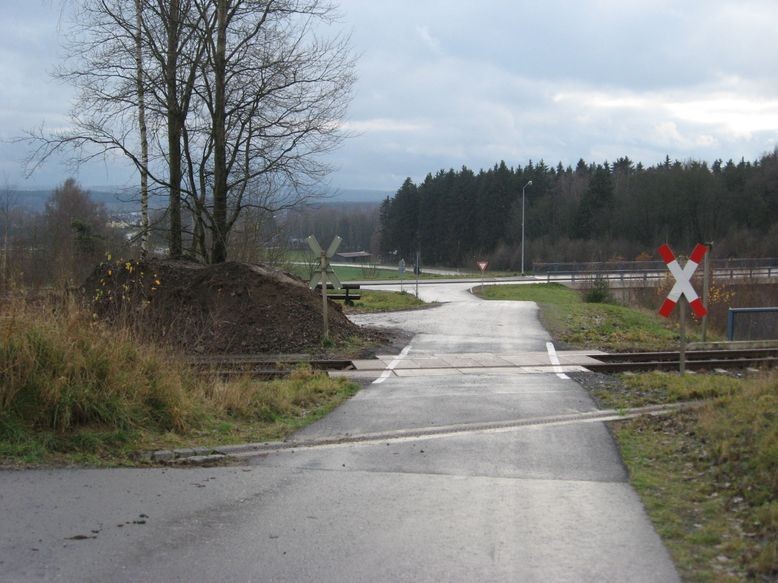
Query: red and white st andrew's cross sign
x,y
683,276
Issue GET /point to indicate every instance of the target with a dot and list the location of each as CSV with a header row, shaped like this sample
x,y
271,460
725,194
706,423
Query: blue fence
x,y
752,324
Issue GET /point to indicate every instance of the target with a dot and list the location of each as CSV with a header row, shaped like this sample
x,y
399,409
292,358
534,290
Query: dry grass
x,y
59,370
246,398
75,387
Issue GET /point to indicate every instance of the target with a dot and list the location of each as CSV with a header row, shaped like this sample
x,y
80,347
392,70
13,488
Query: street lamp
x,y
522,224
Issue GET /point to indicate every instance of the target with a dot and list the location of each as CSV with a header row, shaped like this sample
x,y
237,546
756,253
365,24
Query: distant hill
x,y
116,201
359,195
120,200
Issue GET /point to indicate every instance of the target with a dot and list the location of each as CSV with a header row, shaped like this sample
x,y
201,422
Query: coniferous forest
x,y
593,212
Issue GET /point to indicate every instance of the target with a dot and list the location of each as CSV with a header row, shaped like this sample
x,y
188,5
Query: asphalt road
x,y
530,503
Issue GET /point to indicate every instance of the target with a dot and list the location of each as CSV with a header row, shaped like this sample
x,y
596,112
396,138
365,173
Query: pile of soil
x,y
229,308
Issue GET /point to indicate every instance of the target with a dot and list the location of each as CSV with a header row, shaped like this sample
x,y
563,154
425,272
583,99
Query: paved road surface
x,y
531,503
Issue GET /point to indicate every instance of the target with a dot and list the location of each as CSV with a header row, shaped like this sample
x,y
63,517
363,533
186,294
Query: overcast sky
x,y
462,82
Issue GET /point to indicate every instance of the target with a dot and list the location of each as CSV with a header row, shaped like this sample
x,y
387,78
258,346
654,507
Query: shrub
x,y
599,292
59,370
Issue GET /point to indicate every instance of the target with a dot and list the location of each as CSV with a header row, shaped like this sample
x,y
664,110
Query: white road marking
x,y
387,373
555,361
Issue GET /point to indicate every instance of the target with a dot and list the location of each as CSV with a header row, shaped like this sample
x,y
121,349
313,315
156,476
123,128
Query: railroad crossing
x,y
578,361
430,477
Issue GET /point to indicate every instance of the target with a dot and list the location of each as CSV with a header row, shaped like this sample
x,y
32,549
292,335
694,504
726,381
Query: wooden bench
x,y
348,295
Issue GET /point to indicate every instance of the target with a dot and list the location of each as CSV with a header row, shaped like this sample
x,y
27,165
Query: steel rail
x,y
668,365
265,367
740,353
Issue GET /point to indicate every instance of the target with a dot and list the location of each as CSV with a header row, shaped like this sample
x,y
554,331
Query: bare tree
x,y
142,129
274,93
244,94
127,88
177,50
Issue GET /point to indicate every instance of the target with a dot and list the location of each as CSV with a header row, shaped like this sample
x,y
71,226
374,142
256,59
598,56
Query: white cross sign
x,y
325,269
683,275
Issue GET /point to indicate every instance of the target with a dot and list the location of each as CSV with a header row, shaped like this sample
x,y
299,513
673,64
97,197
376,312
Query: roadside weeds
x,y
708,476
74,391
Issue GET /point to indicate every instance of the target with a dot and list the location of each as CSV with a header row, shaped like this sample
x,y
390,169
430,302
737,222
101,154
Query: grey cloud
x,y
450,83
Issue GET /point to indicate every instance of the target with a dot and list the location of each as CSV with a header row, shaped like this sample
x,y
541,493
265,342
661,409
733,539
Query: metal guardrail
x,y
574,276
730,273
610,266
752,323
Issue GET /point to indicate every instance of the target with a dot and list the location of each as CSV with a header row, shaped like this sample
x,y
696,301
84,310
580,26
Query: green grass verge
x,y
248,410
590,325
74,391
352,273
709,477
542,293
385,301
656,388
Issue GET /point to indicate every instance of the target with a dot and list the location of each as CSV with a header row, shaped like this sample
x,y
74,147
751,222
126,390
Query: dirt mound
x,y
229,308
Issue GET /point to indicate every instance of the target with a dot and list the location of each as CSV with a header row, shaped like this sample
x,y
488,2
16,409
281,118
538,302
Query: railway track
x,y
265,367
695,360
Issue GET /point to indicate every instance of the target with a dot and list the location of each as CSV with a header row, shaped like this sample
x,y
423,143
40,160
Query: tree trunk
x,y
219,244
174,129
144,144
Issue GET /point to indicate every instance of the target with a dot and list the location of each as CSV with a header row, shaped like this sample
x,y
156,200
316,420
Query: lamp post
x,y
522,224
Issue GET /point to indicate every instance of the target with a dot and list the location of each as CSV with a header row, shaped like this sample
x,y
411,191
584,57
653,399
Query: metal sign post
x,y
401,269
482,265
325,273
683,291
417,271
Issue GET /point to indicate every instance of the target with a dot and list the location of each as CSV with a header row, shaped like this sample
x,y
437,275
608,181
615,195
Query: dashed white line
x,y
387,373
552,356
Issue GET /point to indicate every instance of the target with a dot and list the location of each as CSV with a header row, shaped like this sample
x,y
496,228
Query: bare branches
x,y
229,104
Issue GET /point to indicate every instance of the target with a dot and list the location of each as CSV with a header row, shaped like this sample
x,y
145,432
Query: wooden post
x,y
682,351
706,289
323,268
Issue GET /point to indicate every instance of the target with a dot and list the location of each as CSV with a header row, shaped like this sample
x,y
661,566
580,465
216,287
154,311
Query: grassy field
x,y
304,271
708,477
384,301
578,324
74,391
367,272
